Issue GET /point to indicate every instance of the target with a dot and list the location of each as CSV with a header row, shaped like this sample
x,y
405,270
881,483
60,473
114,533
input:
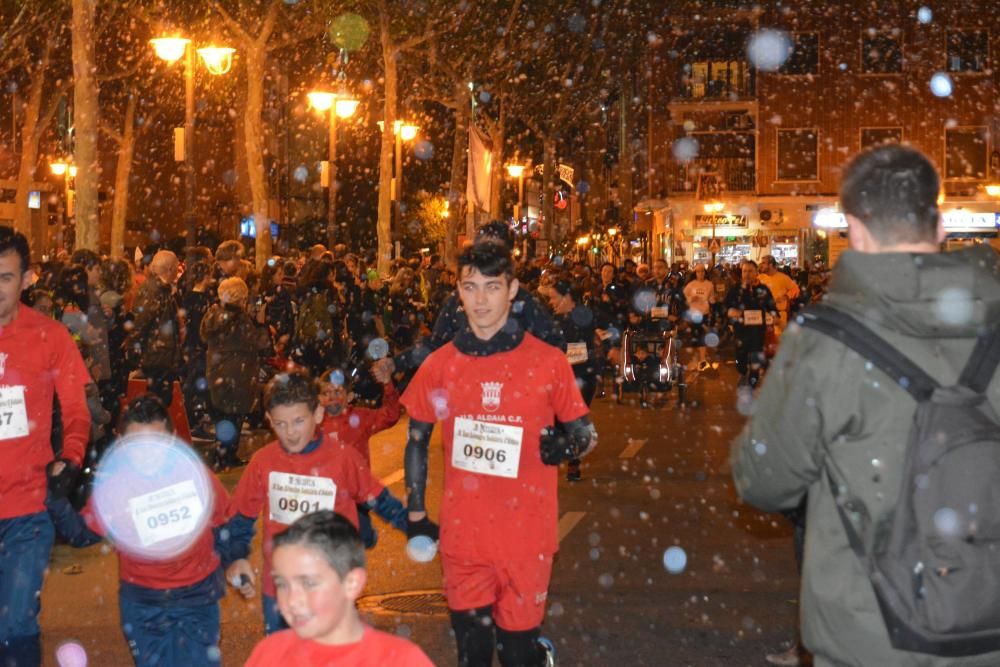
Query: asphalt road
x,y
659,479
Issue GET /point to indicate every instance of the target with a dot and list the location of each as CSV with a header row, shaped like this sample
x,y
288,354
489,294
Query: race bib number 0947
x,y
292,496
13,413
486,448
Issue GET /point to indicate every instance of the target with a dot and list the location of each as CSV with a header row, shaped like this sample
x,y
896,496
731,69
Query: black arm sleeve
x,y
416,464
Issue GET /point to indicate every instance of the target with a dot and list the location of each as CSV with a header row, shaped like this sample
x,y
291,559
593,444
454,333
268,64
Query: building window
x,y
876,136
968,50
881,52
798,155
805,54
966,151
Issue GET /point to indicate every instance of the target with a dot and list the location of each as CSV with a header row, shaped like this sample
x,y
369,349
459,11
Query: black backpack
x,y
934,563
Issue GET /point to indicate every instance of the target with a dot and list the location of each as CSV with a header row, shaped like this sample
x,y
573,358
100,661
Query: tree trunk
x,y
29,154
459,175
625,161
498,136
255,58
123,170
386,150
86,119
549,189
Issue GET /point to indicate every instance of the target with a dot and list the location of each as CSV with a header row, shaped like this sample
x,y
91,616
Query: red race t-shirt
x,y
38,360
499,498
188,568
287,486
355,426
375,649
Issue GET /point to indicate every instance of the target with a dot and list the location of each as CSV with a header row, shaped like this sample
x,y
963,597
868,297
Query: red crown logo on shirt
x,y
491,395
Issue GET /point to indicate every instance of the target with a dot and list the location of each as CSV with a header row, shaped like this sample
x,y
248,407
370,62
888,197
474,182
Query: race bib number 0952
x,y
173,511
486,448
292,496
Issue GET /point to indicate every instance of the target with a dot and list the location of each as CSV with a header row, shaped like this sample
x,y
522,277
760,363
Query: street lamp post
x,y
402,132
339,105
218,60
517,171
68,172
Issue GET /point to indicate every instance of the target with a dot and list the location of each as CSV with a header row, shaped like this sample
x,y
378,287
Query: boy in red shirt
x,y
301,472
352,426
169,608
319,571
494,388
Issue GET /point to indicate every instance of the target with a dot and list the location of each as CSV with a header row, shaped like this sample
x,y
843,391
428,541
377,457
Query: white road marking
x,y
389,480
633,448
568,521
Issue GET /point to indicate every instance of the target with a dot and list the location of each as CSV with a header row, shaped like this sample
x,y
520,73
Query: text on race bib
x,y
659,312
576,353
173,511
753,317
13,412
293,496
486,448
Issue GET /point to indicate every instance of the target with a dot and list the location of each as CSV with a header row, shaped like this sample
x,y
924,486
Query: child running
x,y
299,473
169,608
352,426
318,566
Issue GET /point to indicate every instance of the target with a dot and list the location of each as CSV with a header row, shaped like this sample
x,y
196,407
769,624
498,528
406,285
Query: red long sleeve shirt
x,y
355,426
38,360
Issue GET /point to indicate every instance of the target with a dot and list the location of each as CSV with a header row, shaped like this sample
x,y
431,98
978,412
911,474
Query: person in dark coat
x,y
155,341
234,345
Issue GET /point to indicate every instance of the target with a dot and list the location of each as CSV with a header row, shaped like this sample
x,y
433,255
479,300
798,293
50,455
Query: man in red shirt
x,y
301,472
319,571
38,362
495,388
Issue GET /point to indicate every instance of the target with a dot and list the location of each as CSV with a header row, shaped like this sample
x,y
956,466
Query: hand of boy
x,y
240,575
383,369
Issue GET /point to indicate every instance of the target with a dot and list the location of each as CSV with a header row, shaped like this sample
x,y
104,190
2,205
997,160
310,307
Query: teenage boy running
x,y
494,388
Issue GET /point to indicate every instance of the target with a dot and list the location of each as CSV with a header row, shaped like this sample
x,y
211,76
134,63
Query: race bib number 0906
x,y
173,511
13,413
292,496
486,448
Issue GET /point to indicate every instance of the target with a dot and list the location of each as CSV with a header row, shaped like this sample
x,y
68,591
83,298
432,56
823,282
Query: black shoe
x,y
573,472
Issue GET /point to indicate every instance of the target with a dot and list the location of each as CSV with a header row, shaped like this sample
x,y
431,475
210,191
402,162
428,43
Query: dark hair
x,y
145,409
198,272
71,287
496,231
14,240
85,257
330,534
489,258
893,191
751,263
290,389
116,275
564,287
289,269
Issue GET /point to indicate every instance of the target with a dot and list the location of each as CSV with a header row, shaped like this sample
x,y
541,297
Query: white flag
x,y
477,191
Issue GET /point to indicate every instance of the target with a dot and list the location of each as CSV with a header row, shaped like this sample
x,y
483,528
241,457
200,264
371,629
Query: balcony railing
x,y
715,81
735,174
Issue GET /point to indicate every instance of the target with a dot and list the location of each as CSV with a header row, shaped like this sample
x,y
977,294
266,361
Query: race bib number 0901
x,y
13,413
486,448
292,496
173,511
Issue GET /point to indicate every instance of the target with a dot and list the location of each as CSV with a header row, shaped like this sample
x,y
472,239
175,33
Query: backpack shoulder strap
x,y
855,335
983,361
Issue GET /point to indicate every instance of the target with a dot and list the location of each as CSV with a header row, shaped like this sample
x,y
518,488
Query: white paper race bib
x,y
659,312
753,317
576,353
13,412
486,448
173,511
293,496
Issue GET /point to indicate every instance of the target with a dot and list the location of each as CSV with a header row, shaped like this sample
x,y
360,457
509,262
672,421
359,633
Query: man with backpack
x,y
881,410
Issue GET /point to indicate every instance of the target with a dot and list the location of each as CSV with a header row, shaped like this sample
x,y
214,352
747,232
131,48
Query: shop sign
x,y
566,174
962,219
721,220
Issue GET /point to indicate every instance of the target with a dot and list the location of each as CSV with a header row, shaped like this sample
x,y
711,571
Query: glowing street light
x,y
403,132
517,171
218,60
340,105
993,189
59,167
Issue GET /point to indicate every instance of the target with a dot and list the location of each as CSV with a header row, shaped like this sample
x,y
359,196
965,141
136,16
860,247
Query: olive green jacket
x,y
822,400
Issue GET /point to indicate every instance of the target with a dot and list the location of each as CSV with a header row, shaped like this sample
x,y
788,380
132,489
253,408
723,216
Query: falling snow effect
x,y
941,85
769,49
674,560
